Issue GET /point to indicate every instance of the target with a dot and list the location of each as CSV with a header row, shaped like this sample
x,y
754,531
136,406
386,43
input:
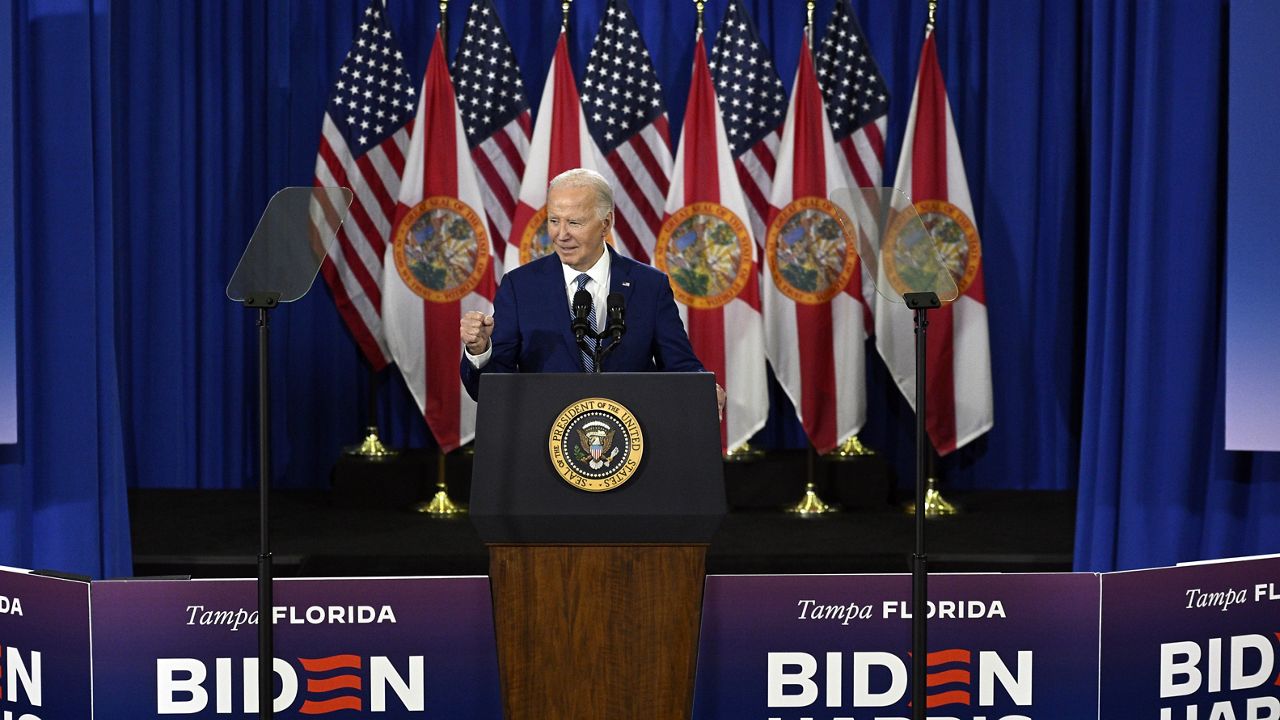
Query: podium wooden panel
x,y
589,632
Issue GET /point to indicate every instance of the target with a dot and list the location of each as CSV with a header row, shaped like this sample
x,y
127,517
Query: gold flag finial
x,y
933,11
444,10
808,24
564,15
701,5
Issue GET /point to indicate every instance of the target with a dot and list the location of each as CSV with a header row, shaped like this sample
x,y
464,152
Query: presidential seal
x,y
705,250
441,249
595,444
811,258
907,255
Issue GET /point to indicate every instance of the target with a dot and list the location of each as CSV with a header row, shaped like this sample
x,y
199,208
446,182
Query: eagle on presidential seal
x,y
595,444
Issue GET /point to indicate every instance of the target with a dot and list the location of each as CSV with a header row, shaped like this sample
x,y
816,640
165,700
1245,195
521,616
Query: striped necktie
x,y
587,362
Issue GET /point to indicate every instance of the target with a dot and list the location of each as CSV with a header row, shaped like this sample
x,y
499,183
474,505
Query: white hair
x,y
583,177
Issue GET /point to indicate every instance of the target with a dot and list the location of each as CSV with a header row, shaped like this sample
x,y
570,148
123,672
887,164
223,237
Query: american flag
x,y
362,145
855,95
623,104
754,104
494,112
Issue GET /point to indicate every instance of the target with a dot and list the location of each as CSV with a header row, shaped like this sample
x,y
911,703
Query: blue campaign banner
x,y
835,647
1194,642
44,647
381,647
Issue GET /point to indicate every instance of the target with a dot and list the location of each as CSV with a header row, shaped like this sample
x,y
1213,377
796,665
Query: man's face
x,y
575,226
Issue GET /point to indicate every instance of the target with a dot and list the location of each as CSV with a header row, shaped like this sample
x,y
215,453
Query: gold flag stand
x,y
372,447
441,505
811,505
746,452
850,449
935,506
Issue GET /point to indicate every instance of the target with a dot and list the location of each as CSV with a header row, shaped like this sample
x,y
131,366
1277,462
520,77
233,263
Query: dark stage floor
x,y
363,528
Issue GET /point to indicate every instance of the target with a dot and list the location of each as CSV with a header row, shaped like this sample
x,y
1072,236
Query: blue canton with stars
x,y
620,92
752,99
852,87
374,96
485,75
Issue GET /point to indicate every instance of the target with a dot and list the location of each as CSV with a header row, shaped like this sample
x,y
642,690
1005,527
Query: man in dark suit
x,y
529,330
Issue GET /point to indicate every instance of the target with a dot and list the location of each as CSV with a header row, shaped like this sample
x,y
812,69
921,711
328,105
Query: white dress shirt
x,y
598,286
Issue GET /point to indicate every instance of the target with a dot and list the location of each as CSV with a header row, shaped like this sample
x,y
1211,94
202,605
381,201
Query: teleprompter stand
x,y
597,595
900,256
921,303
279,265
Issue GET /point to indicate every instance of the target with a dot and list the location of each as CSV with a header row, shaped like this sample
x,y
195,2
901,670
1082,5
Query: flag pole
x,y
441,505
935,506
744,452
921,303
372,447
810,504
564,15
808,23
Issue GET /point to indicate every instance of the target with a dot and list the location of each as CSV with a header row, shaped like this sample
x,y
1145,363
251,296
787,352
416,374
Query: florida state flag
x,y
815,329
958,354
440,261
706,249
560,142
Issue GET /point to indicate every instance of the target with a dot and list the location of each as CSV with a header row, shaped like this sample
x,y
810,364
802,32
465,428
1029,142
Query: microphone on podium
x,y
581,321
616,324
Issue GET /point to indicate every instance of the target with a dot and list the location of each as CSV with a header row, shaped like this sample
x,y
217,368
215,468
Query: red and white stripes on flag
x,y
958,354
495,113
857,104
622,102
813,308
754,104
560,142
363,139
706,249
440,262
855,94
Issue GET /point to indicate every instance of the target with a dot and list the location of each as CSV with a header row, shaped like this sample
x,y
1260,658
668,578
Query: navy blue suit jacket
x,y
531,324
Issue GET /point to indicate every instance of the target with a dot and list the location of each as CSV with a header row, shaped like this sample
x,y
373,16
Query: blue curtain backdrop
x,y
149,136
62,486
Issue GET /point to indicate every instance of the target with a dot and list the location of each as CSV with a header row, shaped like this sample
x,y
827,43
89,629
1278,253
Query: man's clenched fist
x,y
476,328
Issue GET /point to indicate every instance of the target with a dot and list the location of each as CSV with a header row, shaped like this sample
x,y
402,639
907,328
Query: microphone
x,y
616,324
581,322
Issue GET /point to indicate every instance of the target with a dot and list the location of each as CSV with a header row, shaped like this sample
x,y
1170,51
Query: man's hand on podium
x,y
476,328
720,401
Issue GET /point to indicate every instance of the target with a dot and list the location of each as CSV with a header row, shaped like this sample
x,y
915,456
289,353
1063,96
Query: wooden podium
x,y
597,596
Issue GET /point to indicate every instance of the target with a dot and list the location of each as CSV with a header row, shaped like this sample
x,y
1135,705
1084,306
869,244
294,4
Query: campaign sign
x,y
44,647
834,647
1198,642
360,647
